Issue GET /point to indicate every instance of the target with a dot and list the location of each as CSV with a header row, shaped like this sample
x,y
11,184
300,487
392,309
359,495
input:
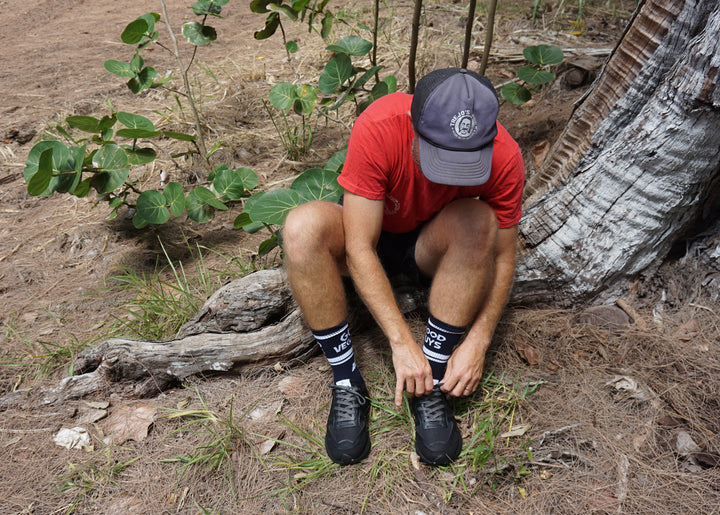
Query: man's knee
x,y
311,226
474,222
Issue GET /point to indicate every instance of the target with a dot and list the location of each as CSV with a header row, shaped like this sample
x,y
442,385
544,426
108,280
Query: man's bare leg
x,y
314,247
456,249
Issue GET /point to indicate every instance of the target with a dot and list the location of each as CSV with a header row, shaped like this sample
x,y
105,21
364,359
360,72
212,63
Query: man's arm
x,y
464,368
362,220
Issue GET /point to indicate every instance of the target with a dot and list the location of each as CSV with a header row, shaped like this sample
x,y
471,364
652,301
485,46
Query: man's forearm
x,y
374,287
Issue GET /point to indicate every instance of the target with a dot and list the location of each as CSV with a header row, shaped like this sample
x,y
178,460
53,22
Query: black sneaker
x,y
347,439
437,437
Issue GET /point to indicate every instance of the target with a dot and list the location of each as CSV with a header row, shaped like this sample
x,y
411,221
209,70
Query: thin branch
x,y
414,44
198,128
468,32
488,35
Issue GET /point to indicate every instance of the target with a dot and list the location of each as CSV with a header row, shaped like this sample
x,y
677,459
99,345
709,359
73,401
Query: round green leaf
x,y
336,72
273,206
515,94
282,96
40,180
137,62
198,34
326,25
533,76
351,45
197,209
110,158
228,184
139,156
209,198
68,179
306,99
105,182
360,82
144,80
543,55
248,177
83,188
175,198
241,220
134,31
208,7
291,47
119,68
106,122
391,82
135,121
84,123
317,184
60,157
151,206
138,221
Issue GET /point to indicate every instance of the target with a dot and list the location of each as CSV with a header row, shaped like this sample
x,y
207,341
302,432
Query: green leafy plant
x,y
141,33
341,81
269,209
101,159
534,75
302,10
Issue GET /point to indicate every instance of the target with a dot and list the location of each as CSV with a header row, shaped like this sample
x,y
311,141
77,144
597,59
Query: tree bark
x,y
632,169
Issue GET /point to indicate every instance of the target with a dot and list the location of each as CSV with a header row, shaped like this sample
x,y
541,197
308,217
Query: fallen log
x,y
252,320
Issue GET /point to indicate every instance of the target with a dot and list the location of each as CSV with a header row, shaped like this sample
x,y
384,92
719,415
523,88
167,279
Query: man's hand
x,y
412,371
464,369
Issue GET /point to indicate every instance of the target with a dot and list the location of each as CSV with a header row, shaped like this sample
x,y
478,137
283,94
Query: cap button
x,y
463,70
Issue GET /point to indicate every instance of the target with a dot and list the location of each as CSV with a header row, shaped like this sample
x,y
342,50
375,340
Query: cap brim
x,y
455,168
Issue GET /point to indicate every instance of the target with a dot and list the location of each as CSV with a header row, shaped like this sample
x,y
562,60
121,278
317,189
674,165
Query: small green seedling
x,y
534,75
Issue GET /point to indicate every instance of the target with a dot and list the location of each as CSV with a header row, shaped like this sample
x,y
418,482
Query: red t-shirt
x,y
380,165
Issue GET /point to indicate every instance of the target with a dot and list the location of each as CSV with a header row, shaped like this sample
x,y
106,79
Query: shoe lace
x,y
347,402
431,408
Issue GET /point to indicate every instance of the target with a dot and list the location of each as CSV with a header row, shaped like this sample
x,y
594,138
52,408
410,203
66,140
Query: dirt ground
x,y
613,404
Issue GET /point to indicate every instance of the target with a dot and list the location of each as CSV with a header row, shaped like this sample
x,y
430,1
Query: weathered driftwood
x,y
253,320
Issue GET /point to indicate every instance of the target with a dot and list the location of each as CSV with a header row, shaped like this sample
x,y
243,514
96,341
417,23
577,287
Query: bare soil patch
x,y
604,424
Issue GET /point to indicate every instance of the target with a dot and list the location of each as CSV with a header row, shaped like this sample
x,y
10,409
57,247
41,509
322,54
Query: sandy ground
x,y
606,450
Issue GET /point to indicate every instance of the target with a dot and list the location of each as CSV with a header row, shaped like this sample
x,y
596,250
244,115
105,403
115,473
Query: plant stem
x,y
488,35
468,33
414,44
183,71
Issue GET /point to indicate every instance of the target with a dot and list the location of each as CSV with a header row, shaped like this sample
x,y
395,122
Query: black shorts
x,y
397,255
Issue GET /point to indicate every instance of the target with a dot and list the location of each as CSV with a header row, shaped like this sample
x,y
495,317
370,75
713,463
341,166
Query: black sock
x,y
440,341
337,347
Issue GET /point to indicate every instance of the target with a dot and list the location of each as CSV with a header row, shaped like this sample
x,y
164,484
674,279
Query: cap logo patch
x,y
463,124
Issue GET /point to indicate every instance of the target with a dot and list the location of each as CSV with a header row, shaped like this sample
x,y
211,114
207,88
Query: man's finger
x,y
398,393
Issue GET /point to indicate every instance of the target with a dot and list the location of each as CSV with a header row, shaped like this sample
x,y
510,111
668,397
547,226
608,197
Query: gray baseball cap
x,y
454,113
